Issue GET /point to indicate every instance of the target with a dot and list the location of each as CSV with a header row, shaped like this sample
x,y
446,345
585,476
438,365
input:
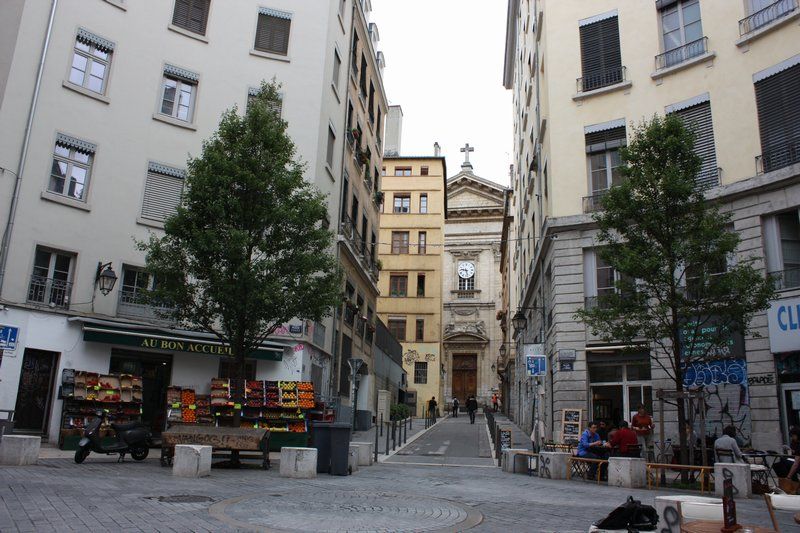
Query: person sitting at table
x,y
794,445
727,442
623,438
602,430
591,447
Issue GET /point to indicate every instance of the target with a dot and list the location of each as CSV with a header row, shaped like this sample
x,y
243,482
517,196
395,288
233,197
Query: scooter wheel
x,y
81,454
140,454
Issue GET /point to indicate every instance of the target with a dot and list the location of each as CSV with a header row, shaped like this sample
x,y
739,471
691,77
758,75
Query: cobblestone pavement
x,y
102,495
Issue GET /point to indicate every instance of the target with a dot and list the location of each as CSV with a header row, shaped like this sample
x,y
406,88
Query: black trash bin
x,y
332,441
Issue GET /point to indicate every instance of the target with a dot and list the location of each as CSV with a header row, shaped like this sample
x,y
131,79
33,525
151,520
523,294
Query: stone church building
x,y
472,285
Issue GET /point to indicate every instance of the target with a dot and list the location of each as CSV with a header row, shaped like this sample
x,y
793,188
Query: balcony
x,y
467,295
600,79
347,227
679,55
767,16
360,327
50,291
132,304
594,203
786,279
349,313
778,156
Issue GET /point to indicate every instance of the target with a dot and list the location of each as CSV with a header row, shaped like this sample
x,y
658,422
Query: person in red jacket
x,y
623,438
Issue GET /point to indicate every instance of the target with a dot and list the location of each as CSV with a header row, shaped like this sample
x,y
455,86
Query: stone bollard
x,y
629,472
739,473
365,453
19,450
509,456
298,463
667,509
554,465
353,461
191,461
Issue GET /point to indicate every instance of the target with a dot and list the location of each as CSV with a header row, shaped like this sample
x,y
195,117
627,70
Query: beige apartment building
x,y
410,251
581,73
101,104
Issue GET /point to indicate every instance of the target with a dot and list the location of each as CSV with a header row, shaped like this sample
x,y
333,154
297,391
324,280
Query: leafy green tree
x,y
249,247
681,286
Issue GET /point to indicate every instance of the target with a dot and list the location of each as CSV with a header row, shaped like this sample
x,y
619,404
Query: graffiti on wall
x,y
726,393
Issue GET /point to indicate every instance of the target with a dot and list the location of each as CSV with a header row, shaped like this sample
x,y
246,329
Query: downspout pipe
x,y
12,212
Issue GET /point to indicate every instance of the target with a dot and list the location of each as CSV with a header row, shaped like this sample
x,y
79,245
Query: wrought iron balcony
x,y
594,202
786,279
601,78
50,291
765,16
778,156
676,56
132,304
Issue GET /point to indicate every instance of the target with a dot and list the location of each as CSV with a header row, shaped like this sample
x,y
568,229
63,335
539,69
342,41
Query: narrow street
x,y
452,442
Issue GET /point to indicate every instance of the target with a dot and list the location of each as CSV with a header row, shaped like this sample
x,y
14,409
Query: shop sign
x,y
295,328
710,340
186,346
8,337
566,366
567,355
783,318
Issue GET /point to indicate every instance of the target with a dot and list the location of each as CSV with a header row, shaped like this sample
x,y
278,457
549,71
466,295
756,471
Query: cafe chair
x,y
634,450
781,502
690,511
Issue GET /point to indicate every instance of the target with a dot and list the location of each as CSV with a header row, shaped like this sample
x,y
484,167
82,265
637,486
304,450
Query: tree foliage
x,y
248,249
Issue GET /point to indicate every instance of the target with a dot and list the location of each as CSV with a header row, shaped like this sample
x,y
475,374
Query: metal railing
x,y
132,304
601,78
465,295
765,16
678,55
349,315
347,227
778,157
786,279
594,202
49,291
360,322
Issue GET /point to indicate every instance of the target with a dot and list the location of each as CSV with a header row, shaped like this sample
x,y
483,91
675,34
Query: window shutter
x,y
191,15
162,192
698,118
600,141
778,102
272,34
601,57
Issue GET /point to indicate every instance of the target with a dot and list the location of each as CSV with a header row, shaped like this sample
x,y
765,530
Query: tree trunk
x,y
238,377
680,403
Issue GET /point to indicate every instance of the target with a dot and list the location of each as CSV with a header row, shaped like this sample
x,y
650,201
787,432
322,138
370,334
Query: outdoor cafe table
x,y
766,459
713,526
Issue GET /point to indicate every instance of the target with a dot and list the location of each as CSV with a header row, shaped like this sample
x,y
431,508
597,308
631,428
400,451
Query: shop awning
x,y
148,336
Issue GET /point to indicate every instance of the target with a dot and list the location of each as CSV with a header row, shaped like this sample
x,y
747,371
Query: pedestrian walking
x,y
455,407
432,409
472,406
642,424
495,401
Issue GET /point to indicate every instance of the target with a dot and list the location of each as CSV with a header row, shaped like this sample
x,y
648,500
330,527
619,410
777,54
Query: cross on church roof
x,y
466,165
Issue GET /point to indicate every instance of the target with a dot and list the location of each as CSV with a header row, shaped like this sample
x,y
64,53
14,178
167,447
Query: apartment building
x,y
410,252
101,104
581,73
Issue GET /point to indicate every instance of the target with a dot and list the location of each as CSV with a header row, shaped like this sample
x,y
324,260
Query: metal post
x,y
387,440
375,451
381,424
394,430
405,431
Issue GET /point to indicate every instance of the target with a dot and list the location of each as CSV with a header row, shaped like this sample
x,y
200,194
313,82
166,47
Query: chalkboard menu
x,y
571,426
503,439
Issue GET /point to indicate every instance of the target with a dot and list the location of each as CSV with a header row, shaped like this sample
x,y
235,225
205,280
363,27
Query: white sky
x,y
444,66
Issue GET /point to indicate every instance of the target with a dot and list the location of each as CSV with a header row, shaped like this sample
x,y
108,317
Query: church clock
x,y
466,270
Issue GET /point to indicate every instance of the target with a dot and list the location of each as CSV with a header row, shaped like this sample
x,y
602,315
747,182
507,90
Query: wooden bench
x,y
231,441
705,472
581,465
531,457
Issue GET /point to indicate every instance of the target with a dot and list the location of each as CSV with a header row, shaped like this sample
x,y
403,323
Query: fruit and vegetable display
x,y
276,405
186,407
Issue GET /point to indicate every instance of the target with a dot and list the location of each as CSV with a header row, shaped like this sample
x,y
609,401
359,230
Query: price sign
x,y
237,406
192,407
176,405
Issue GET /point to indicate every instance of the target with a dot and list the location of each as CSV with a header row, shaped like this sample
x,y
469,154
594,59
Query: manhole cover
x,y
182,498
310,509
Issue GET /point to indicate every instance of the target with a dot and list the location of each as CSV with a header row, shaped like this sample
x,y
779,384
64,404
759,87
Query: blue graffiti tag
x,y
730,371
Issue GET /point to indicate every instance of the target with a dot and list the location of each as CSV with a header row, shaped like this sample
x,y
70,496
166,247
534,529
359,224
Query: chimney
x,y
394,131
437,150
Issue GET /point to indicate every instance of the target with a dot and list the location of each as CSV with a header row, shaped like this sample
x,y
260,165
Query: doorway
x,y
465,376
156,372
618,388
35,392
790,406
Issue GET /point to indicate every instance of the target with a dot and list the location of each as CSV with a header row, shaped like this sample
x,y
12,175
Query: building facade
x,y
731,71
411,237
98,124
472,285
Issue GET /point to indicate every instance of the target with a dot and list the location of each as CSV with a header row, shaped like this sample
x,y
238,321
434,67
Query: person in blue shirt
x,y
590,442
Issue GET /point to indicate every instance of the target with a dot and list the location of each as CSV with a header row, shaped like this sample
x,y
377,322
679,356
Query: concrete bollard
x,y
509,456
19,450
365,455
739,473
353,461
667,509
554,465
298,463
629,472
191,461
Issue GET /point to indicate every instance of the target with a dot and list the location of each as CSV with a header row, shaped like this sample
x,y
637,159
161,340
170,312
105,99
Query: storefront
x,y
619,383
784,340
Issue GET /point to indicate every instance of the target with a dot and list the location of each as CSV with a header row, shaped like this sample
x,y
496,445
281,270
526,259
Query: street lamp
x,y
519,320
502,350
105,278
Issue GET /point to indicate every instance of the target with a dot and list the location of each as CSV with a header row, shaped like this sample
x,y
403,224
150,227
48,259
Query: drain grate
x,y
182,498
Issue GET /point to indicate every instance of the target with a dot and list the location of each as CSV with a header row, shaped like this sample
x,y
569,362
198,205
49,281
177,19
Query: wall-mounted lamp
x,y
105,278
502,350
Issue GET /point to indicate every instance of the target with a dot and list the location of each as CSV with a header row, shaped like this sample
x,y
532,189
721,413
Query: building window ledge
x,y
274,57
603,90
746,39
187,33
174,122
329,170
64,200
86,92
336,93
150,223
708,56
341,22
118,4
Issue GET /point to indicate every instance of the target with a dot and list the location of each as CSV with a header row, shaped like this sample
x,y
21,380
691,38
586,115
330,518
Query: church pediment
x,y
474,198
461,332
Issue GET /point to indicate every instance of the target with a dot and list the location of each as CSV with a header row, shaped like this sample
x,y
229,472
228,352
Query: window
x,y
135,284
422,246
682,32
191,15
371,104
397,327
778,103
163,189
90,61
178,93
272,32
600,278
345,193
331,147
402,203
399,242
363,78
337,67
601,57
423,171
51,280
421,372
466,284
420,330
604,160
698,118
402,171
782,248
423,203
383,171
72,165
420,285
398,285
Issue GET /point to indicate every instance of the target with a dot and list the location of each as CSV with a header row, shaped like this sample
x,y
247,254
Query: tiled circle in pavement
x,y
308,508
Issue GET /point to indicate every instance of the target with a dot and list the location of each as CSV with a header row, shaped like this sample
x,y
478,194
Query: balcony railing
x,y
594,202
676,56
786,279
349,314
132,304
601,78
765,16
50,291
466,295
778,157
348,228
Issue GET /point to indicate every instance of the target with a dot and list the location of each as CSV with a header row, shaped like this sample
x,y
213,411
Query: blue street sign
x,y
536,364
8,337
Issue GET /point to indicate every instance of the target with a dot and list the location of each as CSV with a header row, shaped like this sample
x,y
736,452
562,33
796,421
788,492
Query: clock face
x,y
466,270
